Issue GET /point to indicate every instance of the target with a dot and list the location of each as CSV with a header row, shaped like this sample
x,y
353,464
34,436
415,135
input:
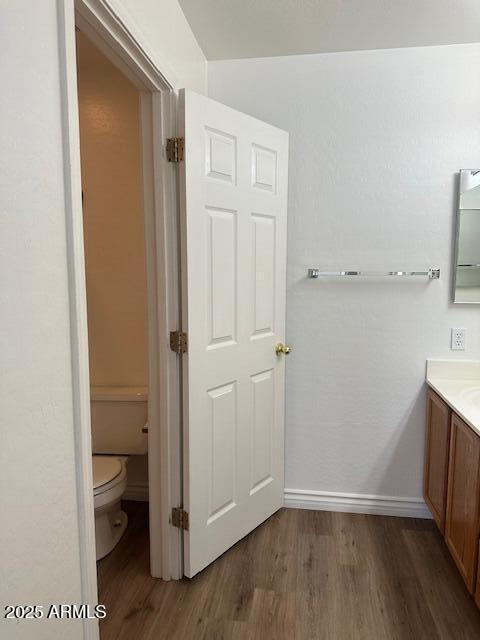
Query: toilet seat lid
x,y
105,469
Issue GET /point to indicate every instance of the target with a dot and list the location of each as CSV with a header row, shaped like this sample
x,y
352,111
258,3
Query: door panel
x,y
262,430
222,438
263,303
221,237
234,214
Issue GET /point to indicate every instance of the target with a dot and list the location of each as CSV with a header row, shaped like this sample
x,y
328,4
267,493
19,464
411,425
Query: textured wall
x,y
166,36
376,139
39,531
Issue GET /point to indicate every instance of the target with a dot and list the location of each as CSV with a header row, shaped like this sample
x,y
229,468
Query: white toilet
x,y
119,418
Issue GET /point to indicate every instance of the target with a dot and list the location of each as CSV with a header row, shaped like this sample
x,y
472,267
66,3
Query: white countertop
x,y
458,383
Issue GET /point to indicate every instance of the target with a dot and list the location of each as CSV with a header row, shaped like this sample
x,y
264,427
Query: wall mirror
x,y
466,285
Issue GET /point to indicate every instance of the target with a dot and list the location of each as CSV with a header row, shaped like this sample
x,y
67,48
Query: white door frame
x,y
158,108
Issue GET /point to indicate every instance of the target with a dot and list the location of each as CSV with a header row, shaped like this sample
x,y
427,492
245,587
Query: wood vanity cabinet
x,y
462,524
437,445
452,486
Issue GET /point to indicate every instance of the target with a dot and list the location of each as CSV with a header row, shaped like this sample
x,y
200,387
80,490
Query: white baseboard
x,y
138,492
329,501
356,503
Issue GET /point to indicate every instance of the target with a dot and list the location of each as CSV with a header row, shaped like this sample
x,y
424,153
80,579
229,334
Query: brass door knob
x,y
282,348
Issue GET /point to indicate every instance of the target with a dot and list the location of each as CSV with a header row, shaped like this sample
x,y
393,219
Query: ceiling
x,y
228,29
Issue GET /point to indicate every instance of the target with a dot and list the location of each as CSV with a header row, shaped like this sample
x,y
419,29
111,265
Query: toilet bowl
x,y
119,418
109,484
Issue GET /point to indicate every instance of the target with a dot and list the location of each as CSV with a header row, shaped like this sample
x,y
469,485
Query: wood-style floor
x,y
301,575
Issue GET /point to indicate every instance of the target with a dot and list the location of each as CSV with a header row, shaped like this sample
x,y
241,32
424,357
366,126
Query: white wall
x,y
39,530
165,34
377,138
39,555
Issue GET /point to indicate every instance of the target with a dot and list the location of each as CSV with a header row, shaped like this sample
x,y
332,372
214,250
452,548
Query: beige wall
x,y
113,220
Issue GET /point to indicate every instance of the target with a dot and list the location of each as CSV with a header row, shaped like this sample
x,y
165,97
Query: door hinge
x,y
178,341
180,518
174,149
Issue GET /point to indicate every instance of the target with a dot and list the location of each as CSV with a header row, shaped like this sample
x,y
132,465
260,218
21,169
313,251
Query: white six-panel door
x,y
234,217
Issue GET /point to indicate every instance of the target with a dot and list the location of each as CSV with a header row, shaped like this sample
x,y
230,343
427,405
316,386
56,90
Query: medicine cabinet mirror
x,y
466,285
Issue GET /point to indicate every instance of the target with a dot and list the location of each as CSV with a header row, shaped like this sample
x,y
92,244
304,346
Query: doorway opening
x,y
236,261
116,283
120,111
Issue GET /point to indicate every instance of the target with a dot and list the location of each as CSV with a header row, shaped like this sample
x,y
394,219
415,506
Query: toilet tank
x,y
118,417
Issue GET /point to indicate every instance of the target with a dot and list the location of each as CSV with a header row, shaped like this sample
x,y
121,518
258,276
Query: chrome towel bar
x,y
433,274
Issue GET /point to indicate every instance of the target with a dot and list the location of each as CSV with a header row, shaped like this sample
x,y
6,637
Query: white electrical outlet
x,y
458,339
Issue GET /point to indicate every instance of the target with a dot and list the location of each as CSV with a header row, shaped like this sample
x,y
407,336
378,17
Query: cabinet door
x,y
477,592
437,444
462,526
